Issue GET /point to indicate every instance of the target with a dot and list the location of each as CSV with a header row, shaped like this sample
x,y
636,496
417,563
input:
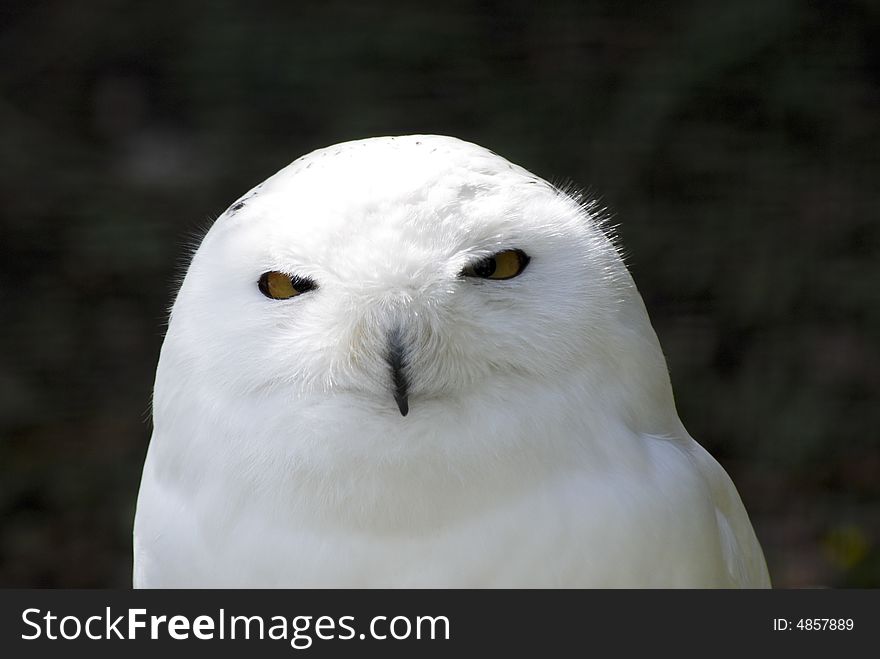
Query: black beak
x,y
397,361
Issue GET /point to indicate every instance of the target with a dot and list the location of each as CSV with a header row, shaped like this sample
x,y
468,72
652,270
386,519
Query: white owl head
x,y
364,272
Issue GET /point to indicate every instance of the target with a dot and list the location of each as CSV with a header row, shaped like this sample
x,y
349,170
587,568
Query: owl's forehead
x,y
417,154
394,170
409,188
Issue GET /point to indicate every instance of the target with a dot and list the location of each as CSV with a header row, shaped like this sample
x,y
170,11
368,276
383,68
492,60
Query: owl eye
x,y
280,286
503,265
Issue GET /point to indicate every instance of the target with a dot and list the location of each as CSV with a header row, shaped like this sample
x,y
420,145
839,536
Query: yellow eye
x,y
503,265
280,286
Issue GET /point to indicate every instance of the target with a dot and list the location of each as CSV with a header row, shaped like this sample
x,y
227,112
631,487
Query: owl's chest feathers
x,y
316,481
554,525
322,504
380,472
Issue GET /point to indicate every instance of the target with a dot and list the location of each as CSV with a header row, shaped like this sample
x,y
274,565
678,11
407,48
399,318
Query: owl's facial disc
x,y
506,264
413,272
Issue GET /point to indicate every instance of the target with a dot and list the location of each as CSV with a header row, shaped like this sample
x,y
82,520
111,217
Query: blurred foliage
x,y
736,144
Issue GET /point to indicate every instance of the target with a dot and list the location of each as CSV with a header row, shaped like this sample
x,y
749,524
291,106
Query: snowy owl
x,y
408,362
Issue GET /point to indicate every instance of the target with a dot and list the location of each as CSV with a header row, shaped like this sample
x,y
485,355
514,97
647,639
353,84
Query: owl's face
x,y
402,272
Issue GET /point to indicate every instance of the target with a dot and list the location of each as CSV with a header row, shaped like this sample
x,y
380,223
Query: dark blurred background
x,y
737,144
